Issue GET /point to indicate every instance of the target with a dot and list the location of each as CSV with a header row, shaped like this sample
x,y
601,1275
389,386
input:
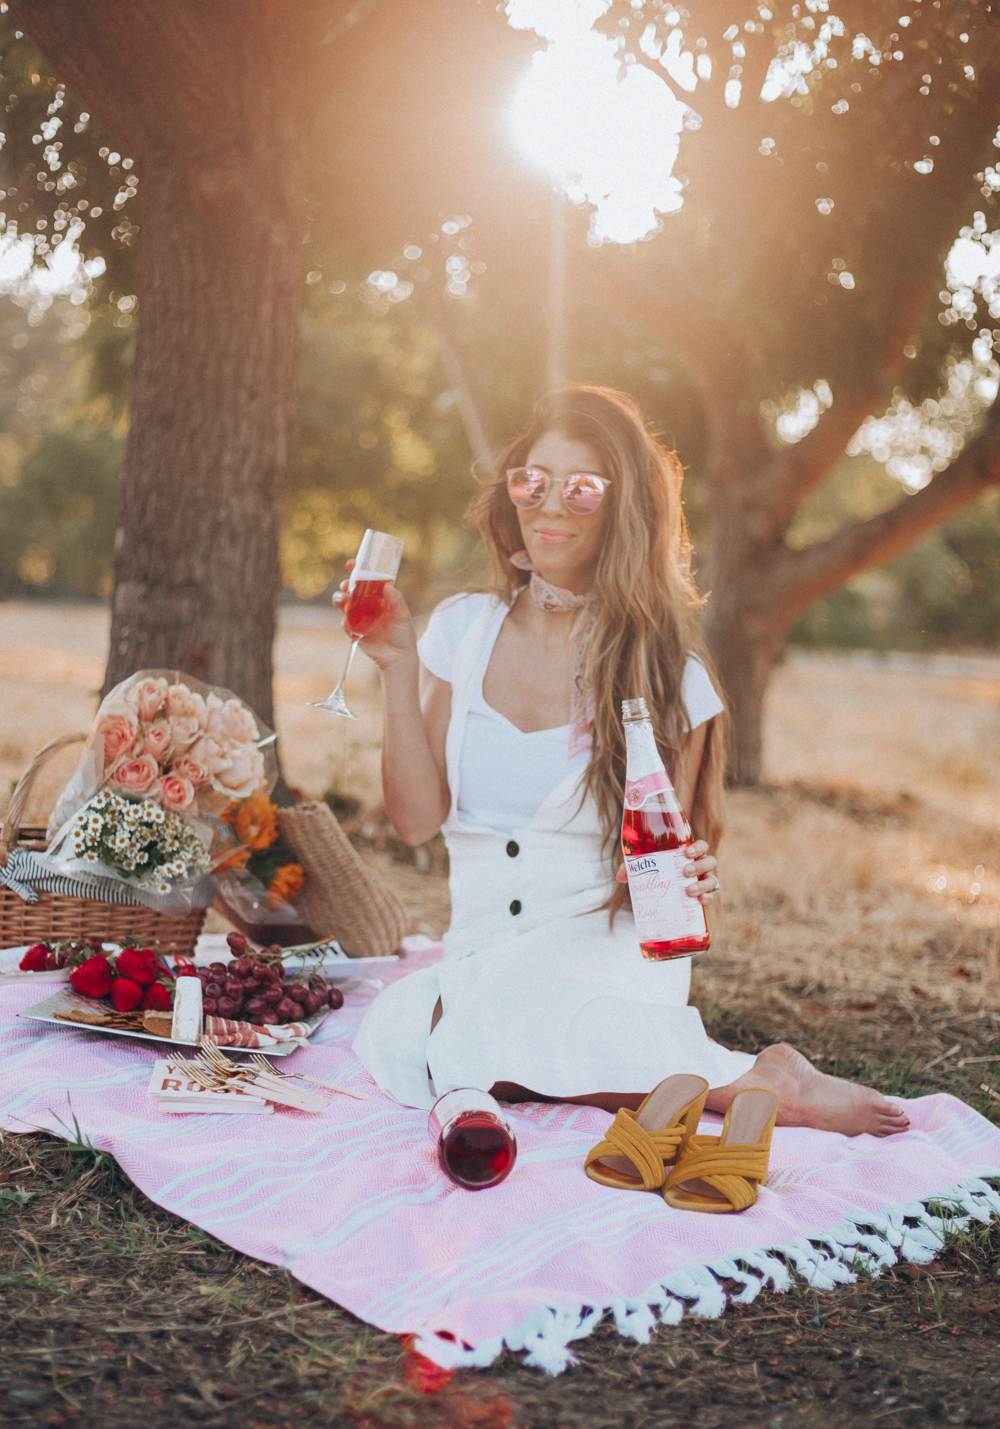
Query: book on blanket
x,y
172,1091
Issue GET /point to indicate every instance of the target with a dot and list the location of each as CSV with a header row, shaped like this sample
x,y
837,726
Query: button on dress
x,y
536,986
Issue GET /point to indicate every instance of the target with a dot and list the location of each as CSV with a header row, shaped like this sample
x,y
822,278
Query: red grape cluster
x,y
259,991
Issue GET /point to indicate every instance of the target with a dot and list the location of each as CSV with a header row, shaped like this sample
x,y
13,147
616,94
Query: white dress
x,y
535,987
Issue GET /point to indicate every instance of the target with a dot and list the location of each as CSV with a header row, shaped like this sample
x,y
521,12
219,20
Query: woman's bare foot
x,y
811,1098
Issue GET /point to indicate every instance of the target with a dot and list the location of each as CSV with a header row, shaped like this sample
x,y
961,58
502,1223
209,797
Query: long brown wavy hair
x,y
646,601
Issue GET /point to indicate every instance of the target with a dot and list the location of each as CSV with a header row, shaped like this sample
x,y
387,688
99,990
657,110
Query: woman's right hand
x,y
392,638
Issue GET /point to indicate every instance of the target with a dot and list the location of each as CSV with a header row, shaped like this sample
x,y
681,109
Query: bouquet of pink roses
x,y
166,757
168,742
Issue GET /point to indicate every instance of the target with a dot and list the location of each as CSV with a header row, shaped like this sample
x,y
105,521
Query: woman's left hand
x,y
701,866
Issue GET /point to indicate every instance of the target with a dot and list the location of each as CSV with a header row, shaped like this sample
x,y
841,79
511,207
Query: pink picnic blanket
x,y
352,1202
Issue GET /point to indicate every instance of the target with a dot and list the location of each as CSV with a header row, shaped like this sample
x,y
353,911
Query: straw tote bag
x,y
61,917
343,898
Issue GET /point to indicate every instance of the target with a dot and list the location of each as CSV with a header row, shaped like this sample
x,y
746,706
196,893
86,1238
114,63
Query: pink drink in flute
x,y
375,566
655,840
365,604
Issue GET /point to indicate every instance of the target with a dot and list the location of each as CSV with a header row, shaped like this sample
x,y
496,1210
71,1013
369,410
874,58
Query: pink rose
x,y
147,698
244,774
119,732
190,769
137,775
230,720
213,716
184,703
175,793
211,752
157,740
184,730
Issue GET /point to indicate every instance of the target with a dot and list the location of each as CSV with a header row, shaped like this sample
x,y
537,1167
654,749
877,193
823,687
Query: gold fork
x,y
198,1072
265,1066
260,1079
218,1061
227,1076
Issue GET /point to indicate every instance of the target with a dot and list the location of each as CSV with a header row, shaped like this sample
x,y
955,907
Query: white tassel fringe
x,y
866,1242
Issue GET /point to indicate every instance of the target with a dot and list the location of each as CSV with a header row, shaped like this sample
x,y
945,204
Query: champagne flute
x,y
375,566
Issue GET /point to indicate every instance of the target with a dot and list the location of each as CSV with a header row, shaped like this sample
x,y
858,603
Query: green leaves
x,y
13,1200
58,167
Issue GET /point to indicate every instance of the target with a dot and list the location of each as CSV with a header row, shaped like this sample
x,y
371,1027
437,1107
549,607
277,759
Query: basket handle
x,y
12,821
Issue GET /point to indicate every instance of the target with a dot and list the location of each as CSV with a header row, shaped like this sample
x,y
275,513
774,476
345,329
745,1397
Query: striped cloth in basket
x,y
26,875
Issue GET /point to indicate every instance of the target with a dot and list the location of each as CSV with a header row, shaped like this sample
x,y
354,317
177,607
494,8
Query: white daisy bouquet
x,y
168,756
140,838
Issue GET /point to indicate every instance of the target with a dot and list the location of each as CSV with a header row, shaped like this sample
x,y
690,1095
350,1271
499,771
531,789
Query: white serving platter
x,y
336,965
64,999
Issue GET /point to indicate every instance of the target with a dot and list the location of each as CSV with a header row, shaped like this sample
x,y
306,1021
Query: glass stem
x,y
355,642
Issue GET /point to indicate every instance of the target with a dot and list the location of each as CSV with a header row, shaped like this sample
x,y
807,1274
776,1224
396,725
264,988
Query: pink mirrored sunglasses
x,y
582,491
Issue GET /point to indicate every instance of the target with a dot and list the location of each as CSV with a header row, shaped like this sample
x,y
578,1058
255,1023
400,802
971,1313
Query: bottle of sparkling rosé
x,y
655,840
475,1145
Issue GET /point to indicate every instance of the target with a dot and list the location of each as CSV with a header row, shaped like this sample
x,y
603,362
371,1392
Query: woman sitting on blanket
x,y
503,727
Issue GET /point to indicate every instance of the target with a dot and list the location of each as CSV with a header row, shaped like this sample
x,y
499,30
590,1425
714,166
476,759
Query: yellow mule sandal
x,y
722,1173
641,1144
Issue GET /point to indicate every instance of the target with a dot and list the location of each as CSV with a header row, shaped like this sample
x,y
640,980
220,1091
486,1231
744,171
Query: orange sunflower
x,y
239,859
256,822
287,881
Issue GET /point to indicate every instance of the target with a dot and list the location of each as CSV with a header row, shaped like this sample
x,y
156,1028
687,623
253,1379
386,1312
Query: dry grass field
x,y
861,921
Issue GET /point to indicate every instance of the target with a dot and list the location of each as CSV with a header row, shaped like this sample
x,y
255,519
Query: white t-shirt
x,y
505,775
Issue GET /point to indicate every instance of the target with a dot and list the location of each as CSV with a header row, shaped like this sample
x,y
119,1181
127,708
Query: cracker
x,y
159,1024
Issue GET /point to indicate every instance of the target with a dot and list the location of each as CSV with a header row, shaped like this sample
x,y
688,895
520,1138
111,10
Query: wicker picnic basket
x,y
57,917
343,897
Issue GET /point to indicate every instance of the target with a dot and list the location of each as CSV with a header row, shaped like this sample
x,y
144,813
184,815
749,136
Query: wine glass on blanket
x,y
375,565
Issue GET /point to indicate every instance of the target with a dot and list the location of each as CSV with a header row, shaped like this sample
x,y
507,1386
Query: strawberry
x,y
138,964
93,977
158,998
125,994
34,959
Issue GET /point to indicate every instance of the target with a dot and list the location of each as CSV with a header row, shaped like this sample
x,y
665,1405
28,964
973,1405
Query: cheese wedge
x,y
187,1010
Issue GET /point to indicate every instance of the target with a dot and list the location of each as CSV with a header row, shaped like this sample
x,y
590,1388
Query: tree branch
x,y
172,74
458,364
802,576
801,468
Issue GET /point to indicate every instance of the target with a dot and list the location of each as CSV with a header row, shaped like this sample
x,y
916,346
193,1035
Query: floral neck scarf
x,y
553,597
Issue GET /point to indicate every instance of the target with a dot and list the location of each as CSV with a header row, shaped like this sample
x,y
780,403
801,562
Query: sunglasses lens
x,y
527,486
583,493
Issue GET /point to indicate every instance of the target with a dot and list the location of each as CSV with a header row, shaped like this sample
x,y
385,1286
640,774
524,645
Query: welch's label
x,y
661,906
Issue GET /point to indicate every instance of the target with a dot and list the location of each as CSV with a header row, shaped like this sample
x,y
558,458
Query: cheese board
x,y
65,1008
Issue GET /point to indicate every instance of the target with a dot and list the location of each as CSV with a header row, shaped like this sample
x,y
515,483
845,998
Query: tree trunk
x,y
745,644
742,626
759,585
196,565
214,102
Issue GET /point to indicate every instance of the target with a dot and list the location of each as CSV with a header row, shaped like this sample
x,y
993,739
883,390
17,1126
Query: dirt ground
x,y
861,922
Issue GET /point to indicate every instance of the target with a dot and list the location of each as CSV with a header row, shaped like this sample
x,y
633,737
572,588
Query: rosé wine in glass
x,y
364,607
655,841
375,567
475,1145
